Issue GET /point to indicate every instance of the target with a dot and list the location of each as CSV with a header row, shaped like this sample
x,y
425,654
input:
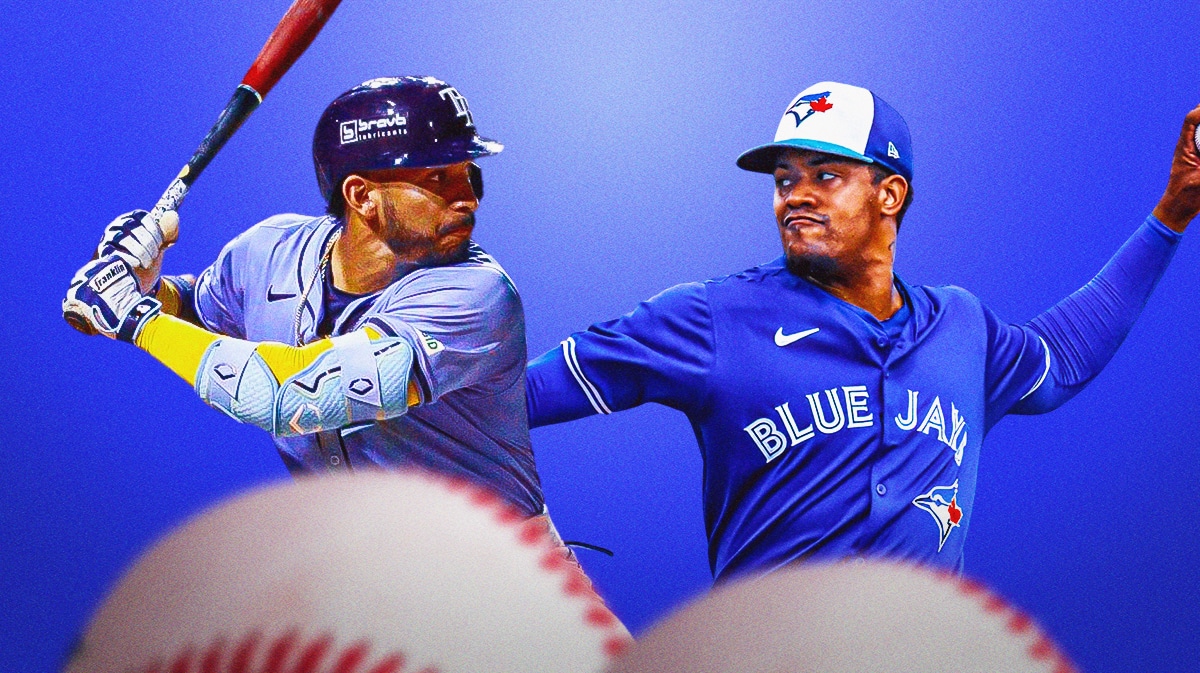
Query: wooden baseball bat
x,y
296,30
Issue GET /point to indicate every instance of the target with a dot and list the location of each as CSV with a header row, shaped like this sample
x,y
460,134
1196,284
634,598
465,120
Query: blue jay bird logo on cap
x,y
816,102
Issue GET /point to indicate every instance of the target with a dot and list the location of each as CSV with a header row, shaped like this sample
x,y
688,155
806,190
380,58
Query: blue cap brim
x,y
762,159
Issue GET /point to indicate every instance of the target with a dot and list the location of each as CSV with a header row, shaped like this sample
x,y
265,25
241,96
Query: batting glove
x,y
132,235
105,291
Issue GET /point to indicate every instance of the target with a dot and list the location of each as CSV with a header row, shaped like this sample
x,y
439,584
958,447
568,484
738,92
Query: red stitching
x,y
278,651
312,652
614,646
211,661
484,498
1042,648
553,561
971,587
392,664
312,655
531,533
577,584
599,616
1064,666
183,662
244,652
993,603
351,658
509,515
457,484
1017,622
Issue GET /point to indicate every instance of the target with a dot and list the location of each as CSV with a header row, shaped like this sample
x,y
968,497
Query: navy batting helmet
x,y
390,122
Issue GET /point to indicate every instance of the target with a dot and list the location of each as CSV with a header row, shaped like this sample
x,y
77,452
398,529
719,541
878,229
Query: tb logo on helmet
x,y
817,102
460,103
390,122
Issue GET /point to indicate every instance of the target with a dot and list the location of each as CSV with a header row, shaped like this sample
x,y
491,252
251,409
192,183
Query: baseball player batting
x,y
839,410
338,334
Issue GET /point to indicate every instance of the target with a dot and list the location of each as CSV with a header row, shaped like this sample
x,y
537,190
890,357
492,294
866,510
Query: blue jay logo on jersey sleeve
x,y
942,503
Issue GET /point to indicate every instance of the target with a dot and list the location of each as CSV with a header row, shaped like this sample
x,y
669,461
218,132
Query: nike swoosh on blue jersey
x,y
782,339
272,296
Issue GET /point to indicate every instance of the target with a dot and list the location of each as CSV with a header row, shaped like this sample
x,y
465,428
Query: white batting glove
x,y
140,241
105,293
135,236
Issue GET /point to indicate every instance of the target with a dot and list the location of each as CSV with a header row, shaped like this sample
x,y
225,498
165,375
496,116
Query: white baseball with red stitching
x,y
847,618
369,573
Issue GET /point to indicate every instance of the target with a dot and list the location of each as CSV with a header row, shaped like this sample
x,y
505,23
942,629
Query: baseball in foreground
x,y
847,618
377,573
1196,139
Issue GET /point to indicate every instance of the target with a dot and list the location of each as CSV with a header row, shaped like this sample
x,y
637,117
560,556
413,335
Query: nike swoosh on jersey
x,y
782,339
272,296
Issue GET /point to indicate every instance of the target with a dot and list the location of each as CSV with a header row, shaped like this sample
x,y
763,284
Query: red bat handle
x,y
296,30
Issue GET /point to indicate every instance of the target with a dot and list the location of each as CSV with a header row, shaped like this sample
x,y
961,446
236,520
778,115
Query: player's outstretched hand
x,y
140,240
1181,200
105,291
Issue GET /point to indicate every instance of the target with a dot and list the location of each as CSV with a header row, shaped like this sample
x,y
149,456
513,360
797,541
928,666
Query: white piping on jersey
x,y
1044,373
589,389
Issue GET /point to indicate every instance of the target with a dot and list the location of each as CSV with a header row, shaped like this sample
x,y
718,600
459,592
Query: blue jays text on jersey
x,y
464,323
824,432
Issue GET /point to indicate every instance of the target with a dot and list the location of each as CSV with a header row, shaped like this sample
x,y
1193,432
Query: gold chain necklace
x,y
318,276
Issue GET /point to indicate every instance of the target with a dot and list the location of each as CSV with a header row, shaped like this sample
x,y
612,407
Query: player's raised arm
x,y
1077,337
1181,200
377,334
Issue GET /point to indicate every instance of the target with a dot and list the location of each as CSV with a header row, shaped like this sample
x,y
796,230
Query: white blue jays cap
x,y
839,119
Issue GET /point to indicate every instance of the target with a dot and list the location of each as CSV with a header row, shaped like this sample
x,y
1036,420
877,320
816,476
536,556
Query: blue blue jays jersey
x,y
821,435
825,433
466,327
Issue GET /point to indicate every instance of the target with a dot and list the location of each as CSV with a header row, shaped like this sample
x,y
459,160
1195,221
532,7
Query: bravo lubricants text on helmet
x,y
354,130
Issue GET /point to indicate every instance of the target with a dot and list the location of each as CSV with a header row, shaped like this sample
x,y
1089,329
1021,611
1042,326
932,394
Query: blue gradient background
x,y
1042,138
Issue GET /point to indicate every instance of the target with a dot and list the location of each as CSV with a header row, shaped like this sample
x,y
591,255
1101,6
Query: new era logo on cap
x,y
840,119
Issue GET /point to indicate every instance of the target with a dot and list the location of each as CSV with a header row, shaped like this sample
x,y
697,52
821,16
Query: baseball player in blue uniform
x,y
377,335
840,411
